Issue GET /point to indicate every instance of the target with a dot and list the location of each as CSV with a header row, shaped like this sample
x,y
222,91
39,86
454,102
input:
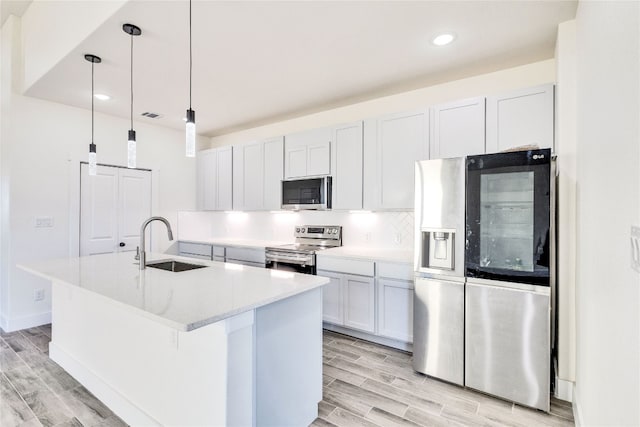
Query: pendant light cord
x,y
92,64
132,81
190,56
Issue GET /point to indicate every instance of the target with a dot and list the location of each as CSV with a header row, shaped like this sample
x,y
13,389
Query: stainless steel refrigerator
x,y
484,273
438,311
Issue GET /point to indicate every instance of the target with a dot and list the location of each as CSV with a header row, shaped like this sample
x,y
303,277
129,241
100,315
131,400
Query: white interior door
x,y
113,205
134,206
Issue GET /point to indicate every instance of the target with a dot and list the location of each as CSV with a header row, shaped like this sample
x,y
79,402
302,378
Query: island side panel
x,y
289,360
149,373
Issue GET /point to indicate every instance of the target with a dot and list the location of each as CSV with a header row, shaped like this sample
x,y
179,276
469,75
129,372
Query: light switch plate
x,y
44,222
635,248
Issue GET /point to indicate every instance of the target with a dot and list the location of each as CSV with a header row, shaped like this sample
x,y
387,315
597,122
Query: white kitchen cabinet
x,y
257,173
214,179
392,144
254,257
395,300
332,301
359,302
395,309
458,128
350,298
521,117
307,153
346,164
201,251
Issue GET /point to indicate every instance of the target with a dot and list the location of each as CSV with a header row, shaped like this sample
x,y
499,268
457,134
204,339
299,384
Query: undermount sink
x,y
173,265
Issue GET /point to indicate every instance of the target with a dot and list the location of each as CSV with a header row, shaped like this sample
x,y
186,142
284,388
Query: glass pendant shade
x,y
131,150
191,133
93,165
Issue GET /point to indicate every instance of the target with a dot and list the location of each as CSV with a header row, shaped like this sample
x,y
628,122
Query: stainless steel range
x,y
301,255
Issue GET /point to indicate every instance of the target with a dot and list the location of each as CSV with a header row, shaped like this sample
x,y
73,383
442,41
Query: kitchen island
x,y
220,345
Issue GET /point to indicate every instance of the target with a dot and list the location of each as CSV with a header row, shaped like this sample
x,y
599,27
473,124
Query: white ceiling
x,y
259,62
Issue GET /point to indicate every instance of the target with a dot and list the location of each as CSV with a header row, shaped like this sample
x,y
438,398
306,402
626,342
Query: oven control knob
x,y
297,229
302,230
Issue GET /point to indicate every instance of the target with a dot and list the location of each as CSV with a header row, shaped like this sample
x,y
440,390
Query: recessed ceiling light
x,y
443,39
102,97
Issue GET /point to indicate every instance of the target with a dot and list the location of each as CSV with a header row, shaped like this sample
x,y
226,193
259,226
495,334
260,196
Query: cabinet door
x,y
308,153
224,178
207,177
347,166
397,142
458,129
248,183
273,172
332,301
522,117
359,303
134,207
395,309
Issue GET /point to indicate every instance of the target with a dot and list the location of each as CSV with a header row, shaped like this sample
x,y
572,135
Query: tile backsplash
x,y
375,229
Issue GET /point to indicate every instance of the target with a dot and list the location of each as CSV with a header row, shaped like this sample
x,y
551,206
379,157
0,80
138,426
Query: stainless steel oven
x,y
300,256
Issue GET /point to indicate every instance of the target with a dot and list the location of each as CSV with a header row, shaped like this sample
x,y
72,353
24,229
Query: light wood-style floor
x,y
365,384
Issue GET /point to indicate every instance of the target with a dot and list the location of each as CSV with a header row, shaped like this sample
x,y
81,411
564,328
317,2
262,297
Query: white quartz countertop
x,y
368,253
186,300
240,243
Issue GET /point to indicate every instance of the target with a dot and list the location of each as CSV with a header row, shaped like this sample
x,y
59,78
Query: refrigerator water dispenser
x,y
437,249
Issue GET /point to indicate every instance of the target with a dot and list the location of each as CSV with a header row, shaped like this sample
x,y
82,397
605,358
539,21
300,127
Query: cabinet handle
x,y
122,244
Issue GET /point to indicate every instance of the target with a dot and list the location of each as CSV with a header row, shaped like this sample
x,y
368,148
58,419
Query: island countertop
x,y
185,300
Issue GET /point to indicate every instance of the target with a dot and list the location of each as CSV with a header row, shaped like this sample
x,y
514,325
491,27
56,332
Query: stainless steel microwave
x,y
307,193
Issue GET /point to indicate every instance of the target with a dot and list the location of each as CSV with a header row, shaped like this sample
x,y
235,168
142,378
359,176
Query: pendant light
x,y
132,30
93,166
191,115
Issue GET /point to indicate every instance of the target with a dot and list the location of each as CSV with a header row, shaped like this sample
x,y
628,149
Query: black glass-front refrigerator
x,y
509,274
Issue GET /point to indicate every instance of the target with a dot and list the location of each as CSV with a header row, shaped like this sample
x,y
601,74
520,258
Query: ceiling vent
x,y
151,115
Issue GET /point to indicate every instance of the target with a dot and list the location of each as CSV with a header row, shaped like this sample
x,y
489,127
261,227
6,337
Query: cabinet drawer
x,y
246,254
218,251
194,249
393,270
346,265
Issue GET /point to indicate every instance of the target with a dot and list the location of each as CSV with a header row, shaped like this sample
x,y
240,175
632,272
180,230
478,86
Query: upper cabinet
x,y
522,117
346,164
214,179
457,128
307,153
257,173
392,145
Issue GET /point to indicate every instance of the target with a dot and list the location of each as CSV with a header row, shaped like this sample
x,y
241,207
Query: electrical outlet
x,y
635,248
44,222
38,295
397,239
367,237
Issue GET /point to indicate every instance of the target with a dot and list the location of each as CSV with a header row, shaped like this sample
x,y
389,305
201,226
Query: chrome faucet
x,y
143,254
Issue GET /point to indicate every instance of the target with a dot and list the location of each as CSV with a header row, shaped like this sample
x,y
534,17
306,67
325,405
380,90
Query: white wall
x,y
565,140
608,203
42,146
485,84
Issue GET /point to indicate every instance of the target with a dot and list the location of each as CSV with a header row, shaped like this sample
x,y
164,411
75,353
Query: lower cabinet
x,y
349,300
395,309
201,251
246,256
380,302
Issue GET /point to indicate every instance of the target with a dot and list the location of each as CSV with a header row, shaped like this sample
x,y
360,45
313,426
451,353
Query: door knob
x,y
122,244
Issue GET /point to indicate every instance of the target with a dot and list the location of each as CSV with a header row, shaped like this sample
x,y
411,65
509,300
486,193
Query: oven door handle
x,y
291,259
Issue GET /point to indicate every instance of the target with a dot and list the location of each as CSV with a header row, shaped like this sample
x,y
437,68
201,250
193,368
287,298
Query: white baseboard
x,y
25,322
577,411
400,345
564,390
119,404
